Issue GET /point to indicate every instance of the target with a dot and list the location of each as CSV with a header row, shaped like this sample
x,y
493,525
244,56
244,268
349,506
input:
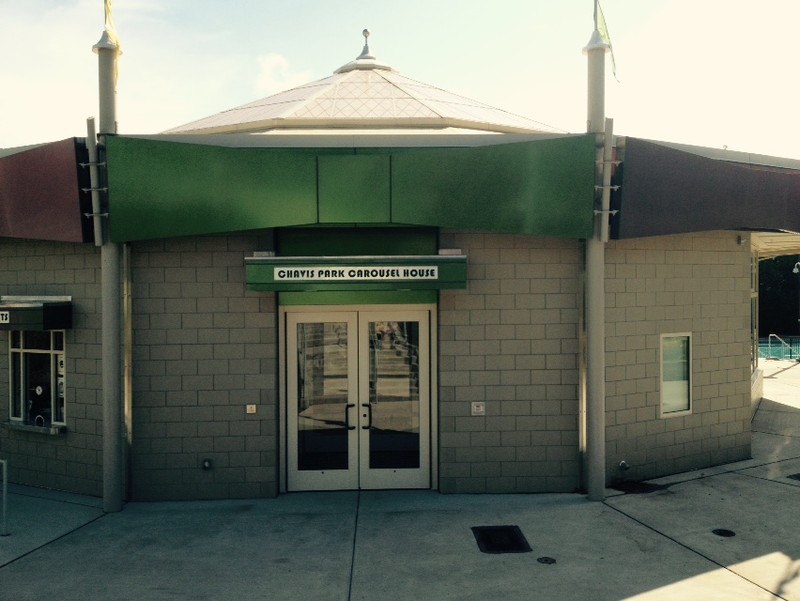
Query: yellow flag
x,y
109,18
600,25
109,22
111,35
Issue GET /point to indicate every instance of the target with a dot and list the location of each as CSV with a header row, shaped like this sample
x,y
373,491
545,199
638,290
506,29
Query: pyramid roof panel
x,y
363,94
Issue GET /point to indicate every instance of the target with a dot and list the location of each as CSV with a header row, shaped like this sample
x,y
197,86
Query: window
x,y
676,379
37,378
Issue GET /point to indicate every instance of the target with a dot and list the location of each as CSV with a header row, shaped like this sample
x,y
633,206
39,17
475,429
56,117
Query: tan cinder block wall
x,y
71,461
511,341
204,348
690,283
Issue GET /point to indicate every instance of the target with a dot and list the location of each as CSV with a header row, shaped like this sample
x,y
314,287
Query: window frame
x,y
19,354
688,381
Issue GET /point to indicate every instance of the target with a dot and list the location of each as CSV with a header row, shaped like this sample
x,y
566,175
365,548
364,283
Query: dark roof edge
x,y
730,156
7,152
675,189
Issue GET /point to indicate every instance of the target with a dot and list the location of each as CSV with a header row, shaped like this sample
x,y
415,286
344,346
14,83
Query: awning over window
x,y
37,313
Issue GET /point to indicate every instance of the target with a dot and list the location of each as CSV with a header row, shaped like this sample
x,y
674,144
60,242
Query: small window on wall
x,y
37,378
676,374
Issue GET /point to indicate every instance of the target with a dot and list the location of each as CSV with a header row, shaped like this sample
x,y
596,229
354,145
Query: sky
x,y
717,73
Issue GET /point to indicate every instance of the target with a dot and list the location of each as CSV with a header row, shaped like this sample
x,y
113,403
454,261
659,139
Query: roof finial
x,y
365,61
365,52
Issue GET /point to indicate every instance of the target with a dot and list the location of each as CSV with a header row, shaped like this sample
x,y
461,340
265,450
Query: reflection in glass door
x,y
394,400
321,370
358,400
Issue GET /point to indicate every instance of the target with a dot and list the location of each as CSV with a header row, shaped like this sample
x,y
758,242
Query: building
x,y
367,282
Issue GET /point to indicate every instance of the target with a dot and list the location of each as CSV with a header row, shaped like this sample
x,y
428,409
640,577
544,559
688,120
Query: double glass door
x,y
358,400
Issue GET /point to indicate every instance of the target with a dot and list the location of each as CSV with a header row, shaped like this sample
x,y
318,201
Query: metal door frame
x,y
283,311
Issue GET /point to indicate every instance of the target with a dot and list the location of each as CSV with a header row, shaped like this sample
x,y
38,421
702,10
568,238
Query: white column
x,y
111,306
595,434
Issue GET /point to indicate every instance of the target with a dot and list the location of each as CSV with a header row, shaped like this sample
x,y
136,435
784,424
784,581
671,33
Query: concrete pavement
x,y
419,545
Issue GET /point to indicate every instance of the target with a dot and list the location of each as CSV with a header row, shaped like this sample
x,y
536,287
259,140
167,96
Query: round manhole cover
x,y
724,532
546,560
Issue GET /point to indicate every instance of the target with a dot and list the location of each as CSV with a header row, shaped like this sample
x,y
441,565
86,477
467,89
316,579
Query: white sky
x,y
709,72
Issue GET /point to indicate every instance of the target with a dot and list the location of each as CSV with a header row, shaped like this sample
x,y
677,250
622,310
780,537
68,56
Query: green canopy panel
x,y
163,189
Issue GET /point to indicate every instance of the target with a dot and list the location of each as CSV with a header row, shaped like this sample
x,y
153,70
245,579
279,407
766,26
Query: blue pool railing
x,y
786,348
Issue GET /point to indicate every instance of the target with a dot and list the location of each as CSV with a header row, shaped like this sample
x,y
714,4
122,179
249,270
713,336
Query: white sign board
x,y
355,273
5,317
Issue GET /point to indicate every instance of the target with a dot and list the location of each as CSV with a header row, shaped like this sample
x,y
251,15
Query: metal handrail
x,y
784,344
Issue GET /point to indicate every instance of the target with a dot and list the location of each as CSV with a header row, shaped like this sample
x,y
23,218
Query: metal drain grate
x,y
500,539
639,488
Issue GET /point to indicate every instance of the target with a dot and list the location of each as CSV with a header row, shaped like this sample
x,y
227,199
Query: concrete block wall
x,y
690,283
71,461
510,341
204,349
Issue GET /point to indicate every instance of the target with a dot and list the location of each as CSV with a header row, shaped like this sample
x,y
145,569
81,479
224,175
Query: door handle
x,y
347,409
368,416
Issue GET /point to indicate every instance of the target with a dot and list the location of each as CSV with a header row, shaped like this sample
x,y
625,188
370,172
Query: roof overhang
x,y
388,138
768,245
419,123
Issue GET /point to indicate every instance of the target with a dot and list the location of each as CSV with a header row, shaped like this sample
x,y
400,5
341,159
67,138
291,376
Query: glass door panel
x,y
394,394
394,433
321,387
322,396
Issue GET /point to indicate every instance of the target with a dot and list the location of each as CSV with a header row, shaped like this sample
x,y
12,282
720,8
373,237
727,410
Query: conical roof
x,y
363,94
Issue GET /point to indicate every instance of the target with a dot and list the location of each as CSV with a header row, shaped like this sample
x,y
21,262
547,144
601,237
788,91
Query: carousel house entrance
x,y
357,395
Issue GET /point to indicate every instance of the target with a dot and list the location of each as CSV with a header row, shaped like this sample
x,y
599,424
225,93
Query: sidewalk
x,y
419,544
